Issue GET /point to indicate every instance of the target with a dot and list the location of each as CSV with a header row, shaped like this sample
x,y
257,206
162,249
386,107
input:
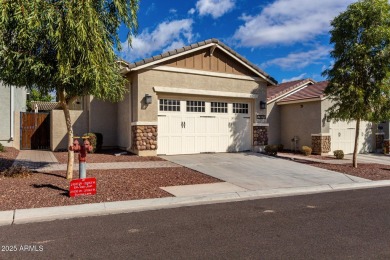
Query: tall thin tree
x,y
359,80
66,46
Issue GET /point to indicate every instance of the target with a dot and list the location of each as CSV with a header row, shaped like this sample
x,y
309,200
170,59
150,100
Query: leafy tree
x,y
359,80
66,46
36,95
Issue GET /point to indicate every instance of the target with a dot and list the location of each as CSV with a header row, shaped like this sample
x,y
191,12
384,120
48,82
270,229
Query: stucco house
x,y
197,99
13,101
296,116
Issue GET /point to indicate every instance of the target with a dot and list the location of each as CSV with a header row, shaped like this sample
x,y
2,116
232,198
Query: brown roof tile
x,y
312,91
280,89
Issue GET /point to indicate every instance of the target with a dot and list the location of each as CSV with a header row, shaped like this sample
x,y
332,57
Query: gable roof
x,y
210,43
283,89
315,91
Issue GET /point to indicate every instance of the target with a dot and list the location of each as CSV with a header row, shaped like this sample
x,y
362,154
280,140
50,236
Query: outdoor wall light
x,y
262,105
148,99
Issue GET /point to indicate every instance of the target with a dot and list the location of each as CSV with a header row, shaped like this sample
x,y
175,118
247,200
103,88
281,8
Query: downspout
x,y
12,114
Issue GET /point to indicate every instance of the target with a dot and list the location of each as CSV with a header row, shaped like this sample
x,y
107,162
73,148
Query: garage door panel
x,y
175,144
163,144
195,132
343,136
190,125
189,144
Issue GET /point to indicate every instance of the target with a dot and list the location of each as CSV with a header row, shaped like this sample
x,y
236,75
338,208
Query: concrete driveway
x,y
254,171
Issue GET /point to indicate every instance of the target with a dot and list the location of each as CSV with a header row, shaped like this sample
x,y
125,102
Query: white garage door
x,y
187,127
343,136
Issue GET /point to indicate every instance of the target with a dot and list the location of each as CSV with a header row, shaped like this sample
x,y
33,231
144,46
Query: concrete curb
x,y
6,217
22,216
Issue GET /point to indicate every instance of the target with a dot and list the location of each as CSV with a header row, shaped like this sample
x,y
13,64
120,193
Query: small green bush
x,y
1,148
339,154
280,147
271,150
306,150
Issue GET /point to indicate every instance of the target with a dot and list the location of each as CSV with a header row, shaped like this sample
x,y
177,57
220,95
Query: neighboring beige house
x,y
13,101
197,99
296,114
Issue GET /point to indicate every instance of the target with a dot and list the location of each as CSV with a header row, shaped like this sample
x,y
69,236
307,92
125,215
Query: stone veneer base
x,y
386,146
320,144
144,138
260,136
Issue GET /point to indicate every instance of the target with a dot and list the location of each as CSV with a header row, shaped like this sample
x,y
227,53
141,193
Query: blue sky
x,y
289,39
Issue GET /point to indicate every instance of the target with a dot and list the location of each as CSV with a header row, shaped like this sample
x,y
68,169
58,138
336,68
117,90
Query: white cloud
x,y
289,21
166,36
191,11
172,11
299,60
302,76
215,8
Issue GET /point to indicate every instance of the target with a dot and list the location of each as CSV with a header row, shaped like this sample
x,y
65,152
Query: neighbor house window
x,y
219,107
240,108
195,106
169,105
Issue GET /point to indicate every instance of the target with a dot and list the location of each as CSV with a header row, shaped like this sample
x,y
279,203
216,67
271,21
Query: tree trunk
x,y
355,150
68,120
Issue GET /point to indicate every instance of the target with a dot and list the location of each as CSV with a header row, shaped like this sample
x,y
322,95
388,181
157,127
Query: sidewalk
x,y
225,192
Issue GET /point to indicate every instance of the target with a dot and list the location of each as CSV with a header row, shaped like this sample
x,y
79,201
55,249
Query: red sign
x,y
86,186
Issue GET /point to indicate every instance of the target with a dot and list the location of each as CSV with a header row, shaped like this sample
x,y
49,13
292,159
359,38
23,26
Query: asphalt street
x,y
339,225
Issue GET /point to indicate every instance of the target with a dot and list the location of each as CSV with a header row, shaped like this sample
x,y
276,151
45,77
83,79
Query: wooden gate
x,y
35,130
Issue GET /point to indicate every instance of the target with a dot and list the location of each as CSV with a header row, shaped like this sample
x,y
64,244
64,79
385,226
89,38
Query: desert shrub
x,y
99,141
271,150
16,171
92,140
339,154
280,147
1,148
306,150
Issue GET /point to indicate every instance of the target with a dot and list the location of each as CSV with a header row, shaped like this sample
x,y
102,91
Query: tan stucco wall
x,y
151,78
273,118
325,104
300,121
16,142
19,99
134,97
58,132
124,122
104,120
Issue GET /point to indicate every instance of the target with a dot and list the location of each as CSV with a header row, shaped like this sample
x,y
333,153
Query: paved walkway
x,y
45,161
35,159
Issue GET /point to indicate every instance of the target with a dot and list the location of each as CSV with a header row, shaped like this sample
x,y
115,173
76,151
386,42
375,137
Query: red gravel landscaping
x,y
371,171
7,157
51,189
